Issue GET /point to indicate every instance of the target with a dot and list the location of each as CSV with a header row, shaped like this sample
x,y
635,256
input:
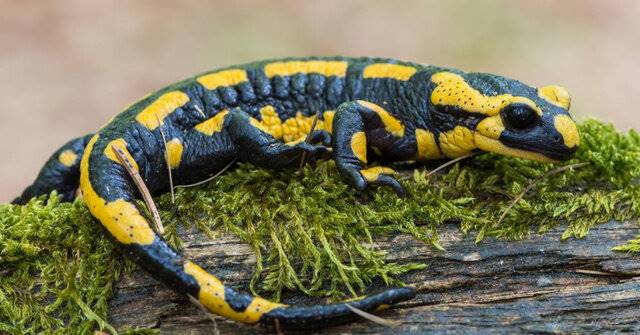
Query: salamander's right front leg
x,y
256,145
350,125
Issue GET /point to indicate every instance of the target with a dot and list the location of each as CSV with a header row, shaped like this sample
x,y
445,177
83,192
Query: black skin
x,y
406,100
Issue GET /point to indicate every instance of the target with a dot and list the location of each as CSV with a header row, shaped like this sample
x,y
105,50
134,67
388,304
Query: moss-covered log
x,y
539,284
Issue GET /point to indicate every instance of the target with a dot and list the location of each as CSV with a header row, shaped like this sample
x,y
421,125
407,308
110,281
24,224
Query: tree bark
x,y
537,285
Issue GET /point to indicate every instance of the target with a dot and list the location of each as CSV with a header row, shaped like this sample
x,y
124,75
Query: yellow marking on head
x,y
391,124
359,146
223,78
213,124
491,127
121,218
373,173
457,142
386,70
326,68
567,128
495,146
452,90
122,144
427,146
153,115
212,293
67,158
174,152
556,95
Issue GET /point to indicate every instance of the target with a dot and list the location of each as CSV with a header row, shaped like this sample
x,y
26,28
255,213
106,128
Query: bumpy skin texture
x,y
368,110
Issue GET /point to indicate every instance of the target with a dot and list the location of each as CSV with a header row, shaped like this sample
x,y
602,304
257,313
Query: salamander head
x,y
507,116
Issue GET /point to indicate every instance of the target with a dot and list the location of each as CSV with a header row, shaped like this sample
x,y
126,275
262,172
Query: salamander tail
x,y
61,173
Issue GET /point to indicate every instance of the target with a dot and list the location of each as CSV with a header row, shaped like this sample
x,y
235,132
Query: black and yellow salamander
x,y
368,110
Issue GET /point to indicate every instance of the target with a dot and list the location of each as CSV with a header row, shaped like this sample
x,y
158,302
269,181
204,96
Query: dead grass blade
x,y
166,158
210,178
374,318
451,162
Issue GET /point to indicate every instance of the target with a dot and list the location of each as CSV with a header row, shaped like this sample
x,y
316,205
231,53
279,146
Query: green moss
x,y
310,231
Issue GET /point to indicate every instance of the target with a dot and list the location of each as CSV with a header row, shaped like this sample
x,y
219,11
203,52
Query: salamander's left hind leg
x,y
60,173
257,146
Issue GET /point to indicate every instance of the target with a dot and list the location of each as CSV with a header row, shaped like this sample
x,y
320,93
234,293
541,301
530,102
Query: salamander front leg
x,y
351,124
256,145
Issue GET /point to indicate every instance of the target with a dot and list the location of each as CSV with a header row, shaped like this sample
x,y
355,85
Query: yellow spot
x,y
326,68
427,146
457,142
327,123
386,70
67,158
567,128
359,146
223,78
493,145
391,124
122,144
174,152
372,174
292,130
556,95
452,90
121,218
211,295
212,125
153,115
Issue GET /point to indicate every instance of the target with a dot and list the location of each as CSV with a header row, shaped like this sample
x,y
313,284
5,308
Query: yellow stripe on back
x,y
121,218
153,115
326,68
386,70
223,78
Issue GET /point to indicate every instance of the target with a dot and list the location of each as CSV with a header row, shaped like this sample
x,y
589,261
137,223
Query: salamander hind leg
x,y
257,146
60,173
351,124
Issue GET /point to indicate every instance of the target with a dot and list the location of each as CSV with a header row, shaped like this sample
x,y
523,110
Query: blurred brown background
x,y
68,66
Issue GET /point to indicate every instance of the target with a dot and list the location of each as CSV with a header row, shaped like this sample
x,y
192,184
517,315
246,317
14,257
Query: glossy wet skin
x,y
368,110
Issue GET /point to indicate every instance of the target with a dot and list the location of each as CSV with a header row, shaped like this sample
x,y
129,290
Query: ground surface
x,y
538,285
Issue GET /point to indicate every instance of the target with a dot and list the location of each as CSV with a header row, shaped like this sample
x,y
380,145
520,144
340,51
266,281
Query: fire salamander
x,y
368,110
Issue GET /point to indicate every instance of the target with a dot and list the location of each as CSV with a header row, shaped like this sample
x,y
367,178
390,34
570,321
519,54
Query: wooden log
x,y
537,285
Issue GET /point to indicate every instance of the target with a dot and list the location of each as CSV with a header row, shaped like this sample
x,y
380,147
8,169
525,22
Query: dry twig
x,y
137,179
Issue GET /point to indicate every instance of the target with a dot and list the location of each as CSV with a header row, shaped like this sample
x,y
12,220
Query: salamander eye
x,y
519,116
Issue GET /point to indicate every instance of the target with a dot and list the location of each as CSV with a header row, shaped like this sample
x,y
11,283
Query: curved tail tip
x,y
320,316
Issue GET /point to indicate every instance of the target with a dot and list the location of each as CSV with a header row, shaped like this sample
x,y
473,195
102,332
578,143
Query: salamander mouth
x,y
492,145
